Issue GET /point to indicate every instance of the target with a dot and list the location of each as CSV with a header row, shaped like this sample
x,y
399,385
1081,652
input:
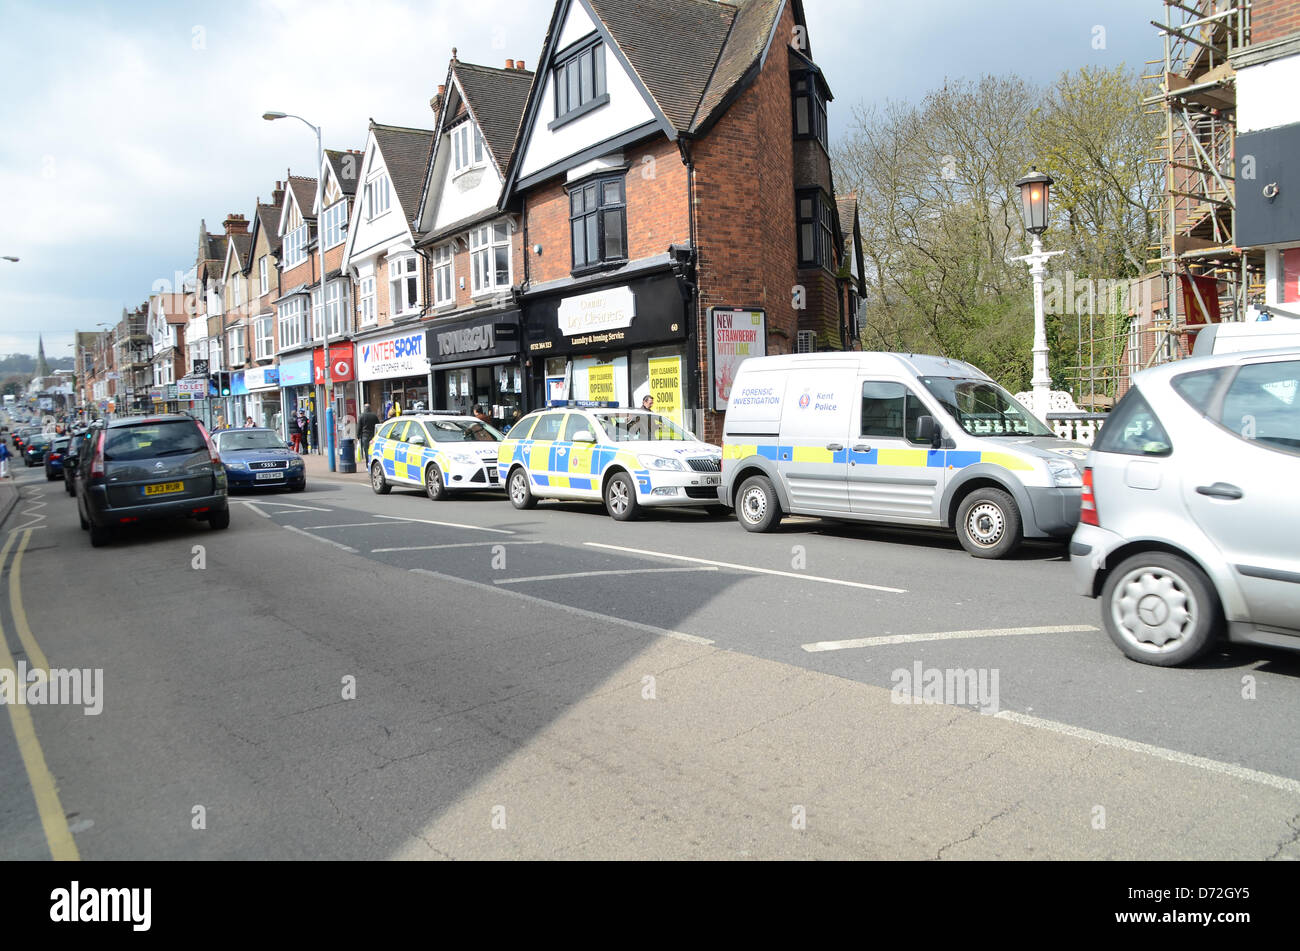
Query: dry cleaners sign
x,y
613,309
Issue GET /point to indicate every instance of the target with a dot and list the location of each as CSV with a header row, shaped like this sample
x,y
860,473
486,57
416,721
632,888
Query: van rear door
x,y
813,458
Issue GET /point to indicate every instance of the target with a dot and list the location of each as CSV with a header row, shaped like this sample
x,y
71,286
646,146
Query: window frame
x,y
443,259
295,246
400,277
372,191
334,224
488,248
468,150
814,103
264,276
822,221
366,301
236,355
563,106
600,213
268,338
291,314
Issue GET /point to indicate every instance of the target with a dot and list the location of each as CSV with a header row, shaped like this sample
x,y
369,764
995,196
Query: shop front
x,y
341,391
262,385
393,373
297,392
476,363
619,344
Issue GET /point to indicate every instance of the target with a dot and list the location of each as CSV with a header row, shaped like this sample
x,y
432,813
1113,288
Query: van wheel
x,y
988,524
1160,609
377,480
433,484
757,506
521,493
620,498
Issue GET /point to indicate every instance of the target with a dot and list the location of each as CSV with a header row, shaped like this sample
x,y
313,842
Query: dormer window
x,y
466,147
579,80
809,108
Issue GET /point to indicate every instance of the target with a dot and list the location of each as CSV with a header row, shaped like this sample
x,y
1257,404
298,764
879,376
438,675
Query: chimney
x,y
519,64
236,224
436,104
510,64
277,194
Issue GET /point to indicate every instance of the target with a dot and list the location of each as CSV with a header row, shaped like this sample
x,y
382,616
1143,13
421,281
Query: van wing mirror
x,y
927,431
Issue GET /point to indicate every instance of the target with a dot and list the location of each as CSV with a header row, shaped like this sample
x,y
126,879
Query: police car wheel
x,y
988,524
620,497
521,493
756,504
433,484
377,480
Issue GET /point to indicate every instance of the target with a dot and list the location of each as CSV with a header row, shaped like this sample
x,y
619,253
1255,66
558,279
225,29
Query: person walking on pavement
x,y
366,427
4,460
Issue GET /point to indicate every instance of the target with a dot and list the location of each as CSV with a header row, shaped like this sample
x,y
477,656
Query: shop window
x,y
598,222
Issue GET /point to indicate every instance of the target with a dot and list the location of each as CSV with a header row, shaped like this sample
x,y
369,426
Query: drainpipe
x,y
692,338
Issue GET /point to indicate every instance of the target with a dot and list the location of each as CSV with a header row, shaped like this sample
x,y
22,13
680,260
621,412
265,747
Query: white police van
x,y
895,438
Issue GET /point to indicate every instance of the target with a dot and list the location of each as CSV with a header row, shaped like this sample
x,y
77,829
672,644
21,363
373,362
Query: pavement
x,y
317,466
344,675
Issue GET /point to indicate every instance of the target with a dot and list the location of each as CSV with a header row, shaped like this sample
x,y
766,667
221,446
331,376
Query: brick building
x,y
673,176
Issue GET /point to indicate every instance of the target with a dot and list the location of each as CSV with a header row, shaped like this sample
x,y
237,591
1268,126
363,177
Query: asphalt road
x,y
552,684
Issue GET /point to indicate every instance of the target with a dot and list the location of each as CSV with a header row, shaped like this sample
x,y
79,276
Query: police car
x,y
627,458
440,453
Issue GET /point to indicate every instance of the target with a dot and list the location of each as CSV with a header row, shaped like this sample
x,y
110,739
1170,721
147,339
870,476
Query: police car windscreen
x,y
983,408
637,427
462,430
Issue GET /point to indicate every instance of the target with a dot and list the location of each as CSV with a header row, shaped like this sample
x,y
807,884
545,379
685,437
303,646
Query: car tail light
x,y
212,444
1088,508
97,462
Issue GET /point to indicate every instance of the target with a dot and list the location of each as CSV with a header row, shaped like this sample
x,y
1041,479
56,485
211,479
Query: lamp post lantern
x,y
326,417
1035,193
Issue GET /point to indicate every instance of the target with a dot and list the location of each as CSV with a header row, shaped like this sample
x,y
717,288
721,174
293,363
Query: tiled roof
x,y
406,156
847,208
268,220
304,191
243,245
750,32
497,97
347,168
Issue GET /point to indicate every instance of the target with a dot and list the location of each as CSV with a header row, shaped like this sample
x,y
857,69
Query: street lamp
x,y
1035,192
10,257
328,415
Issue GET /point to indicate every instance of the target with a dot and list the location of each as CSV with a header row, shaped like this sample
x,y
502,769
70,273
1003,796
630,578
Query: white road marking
x,y
423,521
284,505
1186,759
315,528
886,640
299,531
253,507
569,609
761,571
598,574
384,551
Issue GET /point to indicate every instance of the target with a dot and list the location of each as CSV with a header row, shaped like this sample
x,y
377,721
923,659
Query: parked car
x,y
441,453
54,457
259,459
34,448
1189,525
72,458
900,439
629,459
148,468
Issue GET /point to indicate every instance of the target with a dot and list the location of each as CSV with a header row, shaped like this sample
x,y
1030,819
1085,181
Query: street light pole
x,y
1035,189
328,415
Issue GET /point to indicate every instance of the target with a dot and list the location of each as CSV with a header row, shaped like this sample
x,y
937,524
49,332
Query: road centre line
x,y
567,608
598,574
1186,759
422,521
761,571
885,641
299,531
384,551
45,791
316,528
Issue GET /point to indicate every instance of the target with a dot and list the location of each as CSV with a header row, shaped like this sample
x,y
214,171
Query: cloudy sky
x,y
124,124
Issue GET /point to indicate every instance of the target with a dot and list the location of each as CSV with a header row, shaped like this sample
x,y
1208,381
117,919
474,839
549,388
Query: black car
x,y
71,459
54,458
146,469
34,448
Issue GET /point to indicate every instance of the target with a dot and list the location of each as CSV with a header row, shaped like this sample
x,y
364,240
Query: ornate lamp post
x,y
1035,192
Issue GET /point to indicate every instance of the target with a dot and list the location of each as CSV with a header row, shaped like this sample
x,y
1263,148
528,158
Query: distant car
x,y
441,453
149,468
21,436
627,458
259,459
54,458
71,460
34,448
1189,524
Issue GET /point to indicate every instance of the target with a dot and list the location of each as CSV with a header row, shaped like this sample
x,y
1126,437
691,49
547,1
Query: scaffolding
x,y
1205,276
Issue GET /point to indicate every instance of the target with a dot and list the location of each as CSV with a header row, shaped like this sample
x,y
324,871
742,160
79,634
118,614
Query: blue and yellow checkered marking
x,y
583,465
902,458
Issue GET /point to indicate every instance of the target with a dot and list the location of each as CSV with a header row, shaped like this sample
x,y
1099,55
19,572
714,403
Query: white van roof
x,y
917,364
1241,337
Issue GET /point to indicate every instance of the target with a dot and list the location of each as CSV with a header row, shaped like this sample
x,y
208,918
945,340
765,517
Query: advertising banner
x,y
735,335
600,384
666,386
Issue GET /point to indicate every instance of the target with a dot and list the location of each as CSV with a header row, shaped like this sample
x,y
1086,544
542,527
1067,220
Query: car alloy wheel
x,y
1160,609
521,495
433,484
377,480
620,497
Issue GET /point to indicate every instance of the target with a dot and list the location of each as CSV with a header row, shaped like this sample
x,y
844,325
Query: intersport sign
x,y
403,355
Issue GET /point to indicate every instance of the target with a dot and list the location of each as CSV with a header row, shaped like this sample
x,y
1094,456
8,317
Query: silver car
x,y
1190,525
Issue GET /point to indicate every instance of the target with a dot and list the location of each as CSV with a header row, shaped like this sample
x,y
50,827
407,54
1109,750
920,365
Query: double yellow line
x,y
44,789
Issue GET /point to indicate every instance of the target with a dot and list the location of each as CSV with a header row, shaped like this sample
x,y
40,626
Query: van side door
x,y
812,457
891,474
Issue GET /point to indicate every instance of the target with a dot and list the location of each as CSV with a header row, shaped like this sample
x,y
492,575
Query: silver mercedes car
x,y
1190,523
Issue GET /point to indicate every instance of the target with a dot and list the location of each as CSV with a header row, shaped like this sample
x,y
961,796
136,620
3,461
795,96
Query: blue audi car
x,y
259,459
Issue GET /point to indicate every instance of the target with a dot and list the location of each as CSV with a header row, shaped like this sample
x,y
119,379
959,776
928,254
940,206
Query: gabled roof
x,y
304,193
846,206
267,218
746,46
496,100
406,156
346,167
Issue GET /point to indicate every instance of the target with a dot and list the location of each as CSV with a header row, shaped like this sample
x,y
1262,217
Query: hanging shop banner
x,y
296,373
403,355
262,378
340,364
600,384
735,335
666,386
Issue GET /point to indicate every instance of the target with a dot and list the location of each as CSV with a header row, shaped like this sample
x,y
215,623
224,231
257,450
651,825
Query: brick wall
x,y
1274,19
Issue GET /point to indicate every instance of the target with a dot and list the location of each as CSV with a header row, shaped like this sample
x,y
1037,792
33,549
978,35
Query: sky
x,y
124,124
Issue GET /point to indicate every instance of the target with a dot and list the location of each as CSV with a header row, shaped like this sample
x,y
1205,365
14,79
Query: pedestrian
x,y
4,461
311,431
366,427
481,414
296,431
248,423
647,402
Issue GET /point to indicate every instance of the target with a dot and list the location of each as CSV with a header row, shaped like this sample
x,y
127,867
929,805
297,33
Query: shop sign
x,y
404,355
666,386
340,364
645,311
262,378
597,313
297,373
735,335
192,389
600,384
